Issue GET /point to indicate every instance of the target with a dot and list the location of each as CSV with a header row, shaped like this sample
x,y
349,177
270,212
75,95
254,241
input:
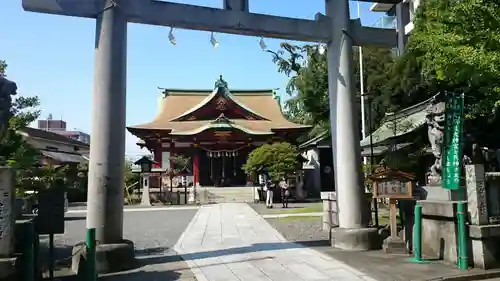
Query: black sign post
x,y
50,218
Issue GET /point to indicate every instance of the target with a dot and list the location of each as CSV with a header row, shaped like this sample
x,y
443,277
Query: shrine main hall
x,y
215,129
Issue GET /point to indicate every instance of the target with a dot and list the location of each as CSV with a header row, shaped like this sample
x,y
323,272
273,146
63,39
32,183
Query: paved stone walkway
x,y
231,242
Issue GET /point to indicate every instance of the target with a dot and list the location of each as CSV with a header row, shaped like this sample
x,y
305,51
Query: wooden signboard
x,y
392,184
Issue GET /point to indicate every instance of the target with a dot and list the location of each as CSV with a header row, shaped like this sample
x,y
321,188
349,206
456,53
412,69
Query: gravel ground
x,y
154,233
306,230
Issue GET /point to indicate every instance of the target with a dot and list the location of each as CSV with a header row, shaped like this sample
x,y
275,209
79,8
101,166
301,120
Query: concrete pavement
x,y
231,242
83,209
154,233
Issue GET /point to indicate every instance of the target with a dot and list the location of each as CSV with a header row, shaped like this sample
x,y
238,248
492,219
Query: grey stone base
x,y
7,268
394,245
437,193
110,257
485,245
358,239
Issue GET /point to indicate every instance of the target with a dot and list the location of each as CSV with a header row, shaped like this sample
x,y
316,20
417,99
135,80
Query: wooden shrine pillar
x,y
158,154
172,153
193,191
196,166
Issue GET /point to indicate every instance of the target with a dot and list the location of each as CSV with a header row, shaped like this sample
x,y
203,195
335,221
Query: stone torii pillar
x,y
353,213
105,195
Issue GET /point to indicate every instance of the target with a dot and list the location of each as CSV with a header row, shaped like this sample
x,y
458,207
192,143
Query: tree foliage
x,y
14,148
307,68
3,67
130,177
455,47
179,162
16,151
279,158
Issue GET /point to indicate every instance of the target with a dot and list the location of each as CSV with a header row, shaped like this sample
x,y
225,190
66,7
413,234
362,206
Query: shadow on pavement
x,y
74,218
259,247
143,275
132,276
314,243
151,251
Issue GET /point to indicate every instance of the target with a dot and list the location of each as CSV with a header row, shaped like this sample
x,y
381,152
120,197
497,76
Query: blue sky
x,y
52,57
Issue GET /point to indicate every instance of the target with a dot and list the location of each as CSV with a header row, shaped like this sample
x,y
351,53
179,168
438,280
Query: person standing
x,y
269,188
263,180
285,192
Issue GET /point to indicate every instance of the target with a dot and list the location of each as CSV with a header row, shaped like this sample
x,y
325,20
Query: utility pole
x,y
362,88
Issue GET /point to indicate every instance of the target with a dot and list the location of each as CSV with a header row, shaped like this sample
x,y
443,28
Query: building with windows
x,y
403,13
55,149
59,127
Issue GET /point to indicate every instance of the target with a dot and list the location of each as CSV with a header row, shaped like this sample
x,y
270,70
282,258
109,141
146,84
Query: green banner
x,y
452,159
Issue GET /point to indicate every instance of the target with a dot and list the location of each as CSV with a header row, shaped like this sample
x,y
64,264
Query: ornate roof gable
x,y
221,101
222,122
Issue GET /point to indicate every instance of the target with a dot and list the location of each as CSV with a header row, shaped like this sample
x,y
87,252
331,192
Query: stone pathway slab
x,y
231,242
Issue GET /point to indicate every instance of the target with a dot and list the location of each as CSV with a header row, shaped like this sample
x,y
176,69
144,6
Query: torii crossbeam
x,y
107,148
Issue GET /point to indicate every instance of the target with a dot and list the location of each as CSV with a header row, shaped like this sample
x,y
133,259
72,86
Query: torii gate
x,y
107,149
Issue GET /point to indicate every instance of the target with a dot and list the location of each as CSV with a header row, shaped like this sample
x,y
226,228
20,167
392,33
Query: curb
x,y
469,276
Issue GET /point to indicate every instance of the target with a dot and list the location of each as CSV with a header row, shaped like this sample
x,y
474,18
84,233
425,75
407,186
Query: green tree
x,y
3,67
179,163
454,46
279,158
131,178
308,85
16,151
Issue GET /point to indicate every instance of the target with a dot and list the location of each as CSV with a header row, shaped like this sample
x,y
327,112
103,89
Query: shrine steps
x,y
212,195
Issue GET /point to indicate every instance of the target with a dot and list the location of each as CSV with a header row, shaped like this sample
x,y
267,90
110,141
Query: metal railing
x,y
386,22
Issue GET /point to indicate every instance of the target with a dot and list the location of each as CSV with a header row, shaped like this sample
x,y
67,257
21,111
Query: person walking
x,y
285,192
269,188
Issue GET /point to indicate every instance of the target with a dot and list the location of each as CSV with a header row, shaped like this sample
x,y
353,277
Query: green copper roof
x,y
316,140
399,123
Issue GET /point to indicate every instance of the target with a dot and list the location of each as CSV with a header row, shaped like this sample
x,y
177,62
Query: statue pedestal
x,y
437,193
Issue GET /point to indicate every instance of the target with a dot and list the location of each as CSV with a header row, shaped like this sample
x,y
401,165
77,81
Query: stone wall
x,y
7,219
439,230
439,220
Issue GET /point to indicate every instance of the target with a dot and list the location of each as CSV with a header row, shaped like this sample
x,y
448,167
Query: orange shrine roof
x,y
189,112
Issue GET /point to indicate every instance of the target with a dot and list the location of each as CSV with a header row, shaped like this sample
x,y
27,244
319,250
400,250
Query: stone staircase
x,y
213,195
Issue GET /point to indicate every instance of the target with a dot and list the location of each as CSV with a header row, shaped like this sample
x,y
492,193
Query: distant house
x,y
54,148
59,127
